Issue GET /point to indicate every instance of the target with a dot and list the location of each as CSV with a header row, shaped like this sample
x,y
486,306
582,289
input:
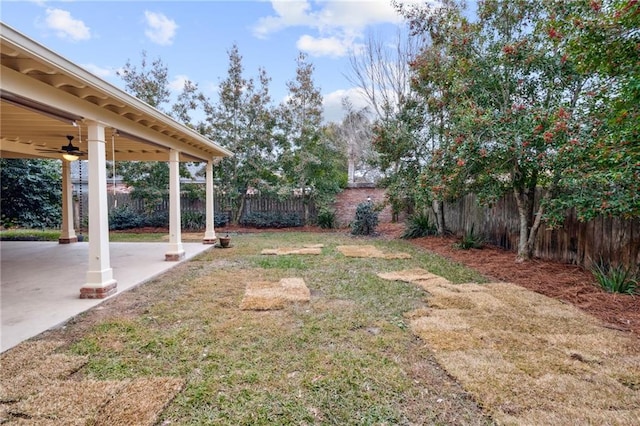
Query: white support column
x,y
210,232
68,233
100,282
176,251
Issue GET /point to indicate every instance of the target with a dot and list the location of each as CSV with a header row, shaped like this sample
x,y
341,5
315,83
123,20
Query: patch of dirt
x,y
567,283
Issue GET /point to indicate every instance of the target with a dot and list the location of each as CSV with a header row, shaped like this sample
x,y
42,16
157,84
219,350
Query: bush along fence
x,y
608,239
258,211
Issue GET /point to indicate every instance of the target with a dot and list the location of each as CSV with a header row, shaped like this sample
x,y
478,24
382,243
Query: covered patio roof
x,y
45,97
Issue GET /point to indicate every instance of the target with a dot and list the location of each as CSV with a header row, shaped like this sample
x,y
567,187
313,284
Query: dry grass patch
x,y
311,249
37,387
139,401
19,377
370,251
526,358
187,236
68,402
265,295
417,276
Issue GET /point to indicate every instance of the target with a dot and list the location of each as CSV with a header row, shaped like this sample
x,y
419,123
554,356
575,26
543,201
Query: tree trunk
x,y
523,201
238,213
438,211
530,223
533,233
305,203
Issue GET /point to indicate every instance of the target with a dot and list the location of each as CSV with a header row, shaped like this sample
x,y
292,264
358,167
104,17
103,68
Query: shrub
x,y
470,240
221,219
366,220
124,218
272,220
31,195
616,279
419,225
193,220
157,219
326,219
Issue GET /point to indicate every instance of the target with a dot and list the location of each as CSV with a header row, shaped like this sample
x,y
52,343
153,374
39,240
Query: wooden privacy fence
x,y
612,240
222,205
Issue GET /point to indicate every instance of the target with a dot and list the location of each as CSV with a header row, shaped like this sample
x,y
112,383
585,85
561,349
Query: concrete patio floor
x,y
40,281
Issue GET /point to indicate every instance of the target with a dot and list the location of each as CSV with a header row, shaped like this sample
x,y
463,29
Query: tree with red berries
x,y
603,41
520,110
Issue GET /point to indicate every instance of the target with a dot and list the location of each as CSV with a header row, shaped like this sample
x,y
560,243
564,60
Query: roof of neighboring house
x,y
45,97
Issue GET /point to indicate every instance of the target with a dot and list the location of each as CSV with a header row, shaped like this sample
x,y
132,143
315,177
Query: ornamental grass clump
x,y
471,240
616,278
419,225
326,219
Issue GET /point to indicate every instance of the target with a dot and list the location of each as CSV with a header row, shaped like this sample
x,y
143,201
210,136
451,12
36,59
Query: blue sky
x,y
193,37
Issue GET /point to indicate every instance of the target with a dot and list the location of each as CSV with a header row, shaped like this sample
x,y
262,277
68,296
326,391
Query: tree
x,y
31,193
243,122
518,106
384,72
434,83
381,70
150,180
308,158
355,133
149,85
402,155
436,87
189,100
602,39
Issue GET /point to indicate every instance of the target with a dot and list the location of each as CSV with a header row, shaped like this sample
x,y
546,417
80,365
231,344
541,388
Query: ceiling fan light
x,y
70,157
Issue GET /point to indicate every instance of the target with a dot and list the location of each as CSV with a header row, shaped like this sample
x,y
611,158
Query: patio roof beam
x,y
39,107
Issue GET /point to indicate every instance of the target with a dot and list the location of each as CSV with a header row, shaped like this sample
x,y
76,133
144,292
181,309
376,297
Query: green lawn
x,y
53,235
347,357
29,235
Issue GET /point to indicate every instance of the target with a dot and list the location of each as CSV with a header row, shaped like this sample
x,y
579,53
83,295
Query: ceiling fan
x,y
69,152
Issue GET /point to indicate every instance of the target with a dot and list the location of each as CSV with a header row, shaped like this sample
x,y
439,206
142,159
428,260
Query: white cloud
x,y
99,71
330,46
65,26
331,15
288,14
332,103
177,84
209,87
338,23
160,29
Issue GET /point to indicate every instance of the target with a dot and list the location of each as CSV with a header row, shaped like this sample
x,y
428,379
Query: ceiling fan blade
x,y
58,151
65,149
49,150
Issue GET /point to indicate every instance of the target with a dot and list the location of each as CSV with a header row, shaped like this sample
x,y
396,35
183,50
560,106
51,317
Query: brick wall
x,y
347,203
